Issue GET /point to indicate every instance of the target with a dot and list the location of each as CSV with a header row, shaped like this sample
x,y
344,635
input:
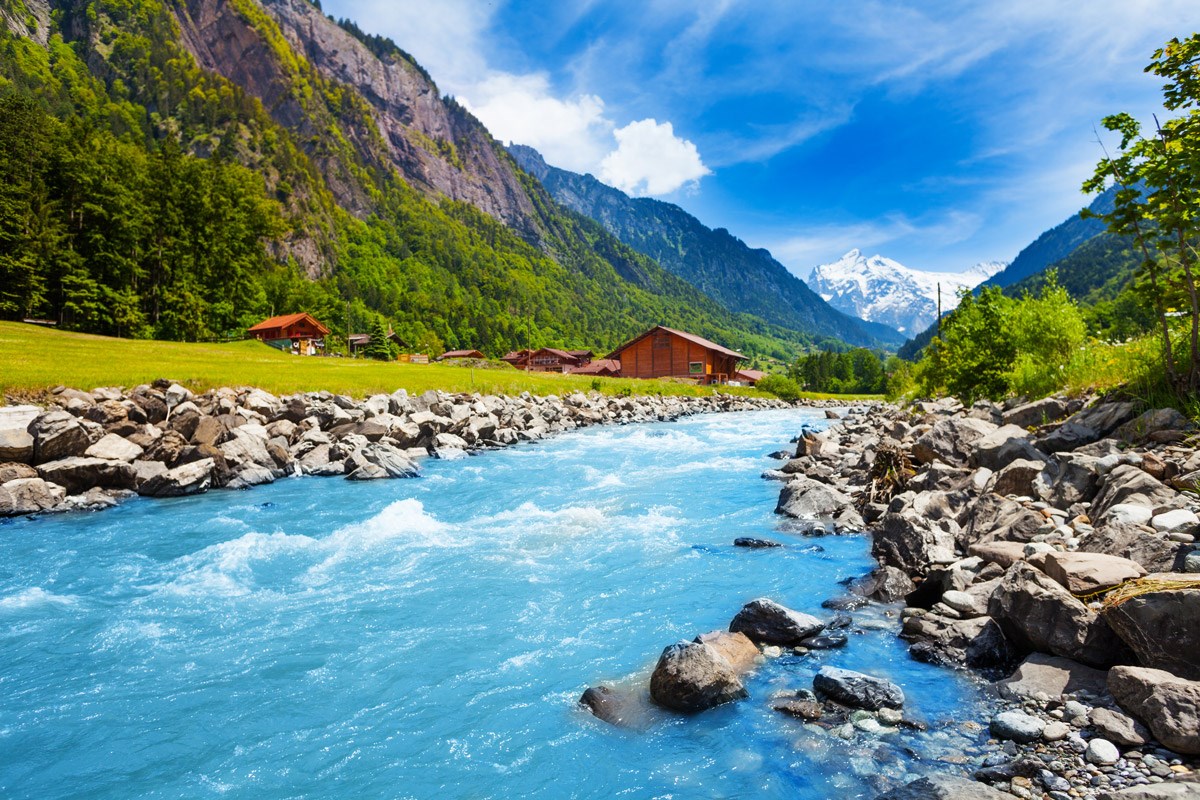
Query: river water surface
x,y
430,637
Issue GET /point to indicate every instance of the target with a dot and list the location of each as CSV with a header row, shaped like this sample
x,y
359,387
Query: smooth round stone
x,y
1102,752
1056,731
1017,726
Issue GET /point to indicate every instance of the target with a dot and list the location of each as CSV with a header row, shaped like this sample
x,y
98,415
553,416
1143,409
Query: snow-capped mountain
x,y
879,289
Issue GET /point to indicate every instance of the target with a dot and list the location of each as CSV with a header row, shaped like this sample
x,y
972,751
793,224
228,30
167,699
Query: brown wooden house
x,y
603,367
301,333
663,352
460,354
545,359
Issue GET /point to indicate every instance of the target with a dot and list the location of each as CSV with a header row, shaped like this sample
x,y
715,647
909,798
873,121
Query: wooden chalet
x,y
545,359
301,333
663,352
749,376
461,354
602,367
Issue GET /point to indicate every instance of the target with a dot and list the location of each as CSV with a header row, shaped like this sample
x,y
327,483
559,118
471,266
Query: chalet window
x,y
696,367
662,341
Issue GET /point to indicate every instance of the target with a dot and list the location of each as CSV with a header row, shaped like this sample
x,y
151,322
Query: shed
x,y
298,333
749,376
663,352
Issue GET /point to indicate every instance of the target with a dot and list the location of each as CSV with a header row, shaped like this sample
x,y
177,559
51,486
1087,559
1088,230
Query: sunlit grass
x,y
34,359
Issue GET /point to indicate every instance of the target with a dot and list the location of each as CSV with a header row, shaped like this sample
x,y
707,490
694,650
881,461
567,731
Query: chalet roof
x,y
288,319
755,375
462,354
555,352
514,355
598,366
691,337
581,353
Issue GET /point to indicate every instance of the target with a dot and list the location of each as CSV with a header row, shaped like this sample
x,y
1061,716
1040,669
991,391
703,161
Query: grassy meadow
x,y
34,359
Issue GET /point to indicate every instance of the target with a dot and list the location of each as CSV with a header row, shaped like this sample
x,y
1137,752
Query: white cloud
x,y
651,160
572,133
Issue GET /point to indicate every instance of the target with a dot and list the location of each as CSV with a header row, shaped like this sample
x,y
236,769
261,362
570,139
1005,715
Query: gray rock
x,y
11,471
1071,478
912,542
1179,520
1052,676
1152,421
692,677
992,518
1162,628
736,648
1185,789
1004,446
191,478
884,585
1167,704
58,434
1119,728
767,622
1036,613
951,440
391,462
1089,425
1017,478
79,474
1129,485
614,707
806,499
978,643
114,448
1154,553
1102,752
29,496
1037,413
1017,726
944,787
754,544
857,690
1086,573
16,442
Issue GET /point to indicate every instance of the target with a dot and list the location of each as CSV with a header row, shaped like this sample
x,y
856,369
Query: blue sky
x,y
938,133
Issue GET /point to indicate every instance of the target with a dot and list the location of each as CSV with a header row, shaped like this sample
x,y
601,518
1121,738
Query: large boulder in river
x,y
767,622
736,648
387,461
1086,573
808,500
29,496
79,474
1162,629
944,787
857,690
913,543
951,440
691,677
1167,704
1037,613
978,643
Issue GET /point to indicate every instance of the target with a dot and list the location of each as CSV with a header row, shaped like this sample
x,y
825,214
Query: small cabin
x,y
300,334
602,367
748,377
544,359
461,354
663,352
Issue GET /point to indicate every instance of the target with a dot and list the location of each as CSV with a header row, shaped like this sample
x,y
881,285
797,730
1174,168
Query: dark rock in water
x,y
830,414
884,585
847,603
692,677
780,455
944,787
606,704
754,544
858,690
825,641
767,622
1006,770
839,622
736,648
801,709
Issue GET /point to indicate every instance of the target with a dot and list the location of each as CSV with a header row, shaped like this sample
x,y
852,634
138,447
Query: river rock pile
x,y
89,450
1051,542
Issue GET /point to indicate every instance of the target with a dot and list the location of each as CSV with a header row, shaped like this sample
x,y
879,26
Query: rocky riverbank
x,y
91,450
1049,547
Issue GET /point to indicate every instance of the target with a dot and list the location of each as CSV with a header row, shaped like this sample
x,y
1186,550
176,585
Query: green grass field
x,y
34,359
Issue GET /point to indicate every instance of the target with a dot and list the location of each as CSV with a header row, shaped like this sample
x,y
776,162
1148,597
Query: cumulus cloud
x,y
571,133
650,160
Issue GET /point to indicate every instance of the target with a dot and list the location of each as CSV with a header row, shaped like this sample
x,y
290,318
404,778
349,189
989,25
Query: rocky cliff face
x,y
33,21
432,142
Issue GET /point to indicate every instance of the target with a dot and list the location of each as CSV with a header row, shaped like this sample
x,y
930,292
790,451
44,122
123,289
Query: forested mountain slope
x,y
182,168
739,277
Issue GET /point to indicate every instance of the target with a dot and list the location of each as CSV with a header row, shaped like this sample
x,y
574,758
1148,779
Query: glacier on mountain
x,y
879,289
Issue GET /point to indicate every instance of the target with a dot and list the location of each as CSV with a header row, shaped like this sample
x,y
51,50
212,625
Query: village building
x,y
663,352
300,334
749,377
547,359
460,354
602,367
359,341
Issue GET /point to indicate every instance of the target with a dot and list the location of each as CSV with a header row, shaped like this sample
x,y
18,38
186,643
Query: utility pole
x,y
939,309
348,350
